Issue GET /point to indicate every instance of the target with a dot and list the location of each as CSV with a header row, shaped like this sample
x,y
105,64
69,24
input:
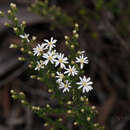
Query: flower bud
x,y
82,110
15,29
47,105
29,66
33,76
76,25
75,123
72,46
69,102
1,13
66,43
93,107
13,46
45,124
39,78
9,11
50,90
72,62
21,58
12,5
52,75
74,31
24,22
22,49
60,119
88,118
15,19
66,37
34,38
6,24
69,111
23,101
30,53
76,35
11,91
82,98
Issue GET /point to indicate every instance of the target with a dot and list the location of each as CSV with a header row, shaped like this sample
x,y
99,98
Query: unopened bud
x,y
72,46
82,110
69,102
9,11
96,124
24,22
13,46
39,78
74,31
82,98
15,29
76,25
16,19
6,24
46,124
22,101
52,75
76,35
69,111
34,38
72,62
29,66
21,58
75,123
66,43
30,53
93,107
22,49
88,118
66,37
60,119
22,94
11,91
1,14
33,76
12,5
47,105
50,90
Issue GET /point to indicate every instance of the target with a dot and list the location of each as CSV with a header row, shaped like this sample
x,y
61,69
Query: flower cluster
x,y
65,69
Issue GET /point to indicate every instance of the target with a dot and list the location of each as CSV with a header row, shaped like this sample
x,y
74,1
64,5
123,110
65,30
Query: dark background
x,y
104,35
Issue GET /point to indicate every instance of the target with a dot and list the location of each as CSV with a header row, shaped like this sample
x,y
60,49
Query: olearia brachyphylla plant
x,y
64,76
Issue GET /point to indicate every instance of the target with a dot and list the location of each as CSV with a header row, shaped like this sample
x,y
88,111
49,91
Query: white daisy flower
x,y
71,71
61,60
50,44
59,77
82,60
25,36
39,49
40,65
65,86
49,56
85,84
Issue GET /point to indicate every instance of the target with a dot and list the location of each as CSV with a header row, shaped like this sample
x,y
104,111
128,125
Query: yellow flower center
x,y
49,57
66,85
50,43
61,76
84,83
70,70
82,61
40,50
60,60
